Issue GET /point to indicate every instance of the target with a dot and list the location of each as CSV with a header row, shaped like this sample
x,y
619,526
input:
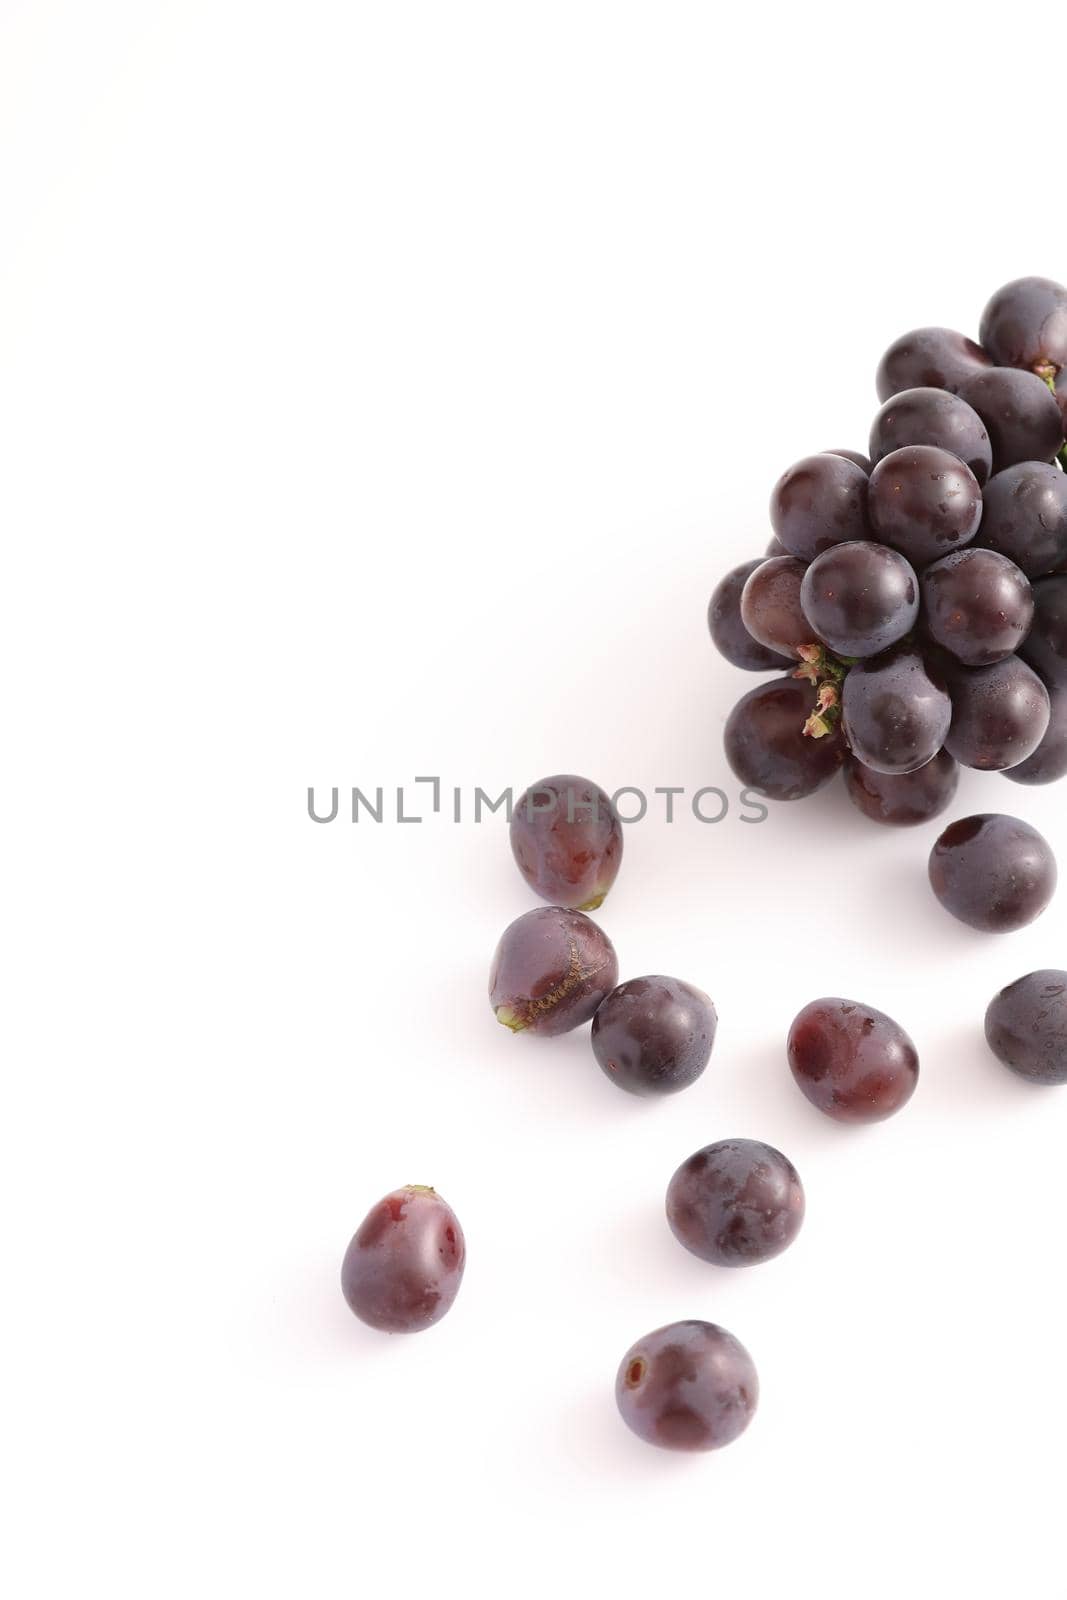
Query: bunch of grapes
x,y
913,601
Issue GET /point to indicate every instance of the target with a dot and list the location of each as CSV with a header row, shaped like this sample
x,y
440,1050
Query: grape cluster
x,y
914,600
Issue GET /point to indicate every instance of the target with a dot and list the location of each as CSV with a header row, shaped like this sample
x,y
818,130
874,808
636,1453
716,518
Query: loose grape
x,y
729,634
404,1266
1026,1026
860,598
924,503
978,605
688,1386
567,841
819,502
933,417
904,799
736,1202
853,1062
767,748
654,1035
995,873
551,970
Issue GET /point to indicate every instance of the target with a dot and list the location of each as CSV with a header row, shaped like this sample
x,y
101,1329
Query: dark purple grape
x,y
767,747
551,970
819,502
771,609
404,1265
852,1061
1046,643
1026,1026
689,1386
1000,715
978,605
654,1035
860,460
567,841
1020,412
1049,761
933,417
1025,325
736,1202
994,873
896,715
1024,516
902,800
924,502
729,634
860,598
1061,396
935,358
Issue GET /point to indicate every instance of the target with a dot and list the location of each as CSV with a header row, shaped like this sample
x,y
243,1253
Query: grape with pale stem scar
x,y
688,1386
567,841
551,970
404,1266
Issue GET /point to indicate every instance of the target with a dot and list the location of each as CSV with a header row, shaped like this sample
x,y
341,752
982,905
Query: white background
x,y
382,389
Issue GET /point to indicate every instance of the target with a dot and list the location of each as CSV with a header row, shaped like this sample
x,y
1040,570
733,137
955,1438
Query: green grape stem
x,y
826,673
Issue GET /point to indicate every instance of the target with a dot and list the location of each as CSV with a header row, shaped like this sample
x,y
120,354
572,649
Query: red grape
x,y
860,598
995,873
766,745
736,1202
771,609
1049,761
896,714
855,456
819,502
1026,1026
551,970
567,841
933,417
654,1035
852,1061
935,358
729,634
1000,714
688,1386
924,502
1024,516
978,605
1025,325
903,799
404,1266
1020,412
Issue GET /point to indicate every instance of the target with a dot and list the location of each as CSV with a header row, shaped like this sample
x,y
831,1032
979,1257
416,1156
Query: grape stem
x,y
826,673
1049,373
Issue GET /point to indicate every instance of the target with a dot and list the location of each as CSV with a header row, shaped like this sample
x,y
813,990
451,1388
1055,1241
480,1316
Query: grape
x,y
861,461
567,841
1046,644
766,745
993,872
1000,715
851,1061
551,970
978,605
732,639
688,1386
1025,325
1061,396
935,358
819,502
775,547
736,1202
1049,761
1026,1026
933,417
924,502
1020,412
860,598
654,1035
896,715
903,799
771,609
1024,516
404,1266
